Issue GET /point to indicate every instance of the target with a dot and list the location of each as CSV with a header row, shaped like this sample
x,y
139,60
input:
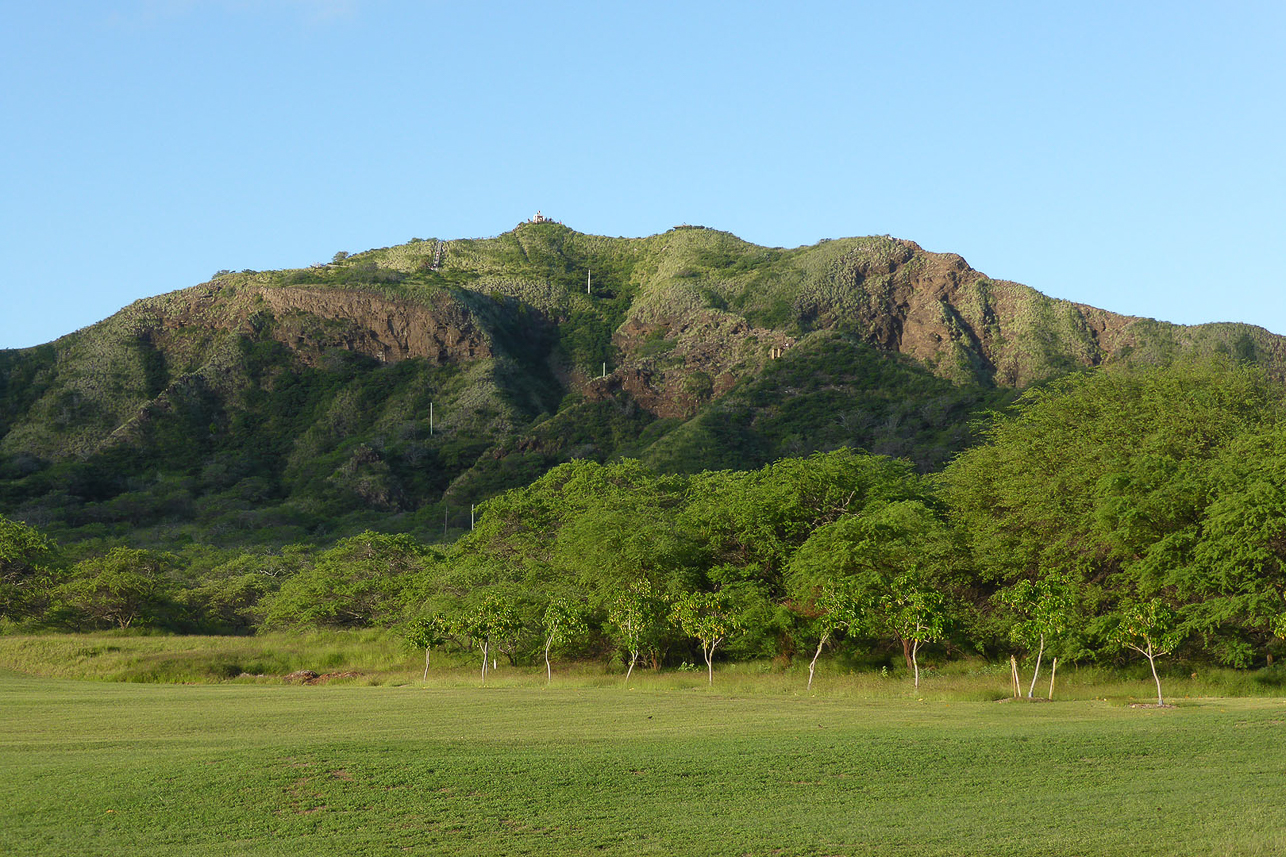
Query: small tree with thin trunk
x,y
1044,611
1148,628
708,617
427,633
493,620
916,613
839,609
636,618
564,621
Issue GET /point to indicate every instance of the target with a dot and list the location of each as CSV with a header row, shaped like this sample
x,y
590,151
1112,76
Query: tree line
x,y
1119,510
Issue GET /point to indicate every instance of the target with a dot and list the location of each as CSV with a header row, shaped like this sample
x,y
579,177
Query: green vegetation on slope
x,y
270,408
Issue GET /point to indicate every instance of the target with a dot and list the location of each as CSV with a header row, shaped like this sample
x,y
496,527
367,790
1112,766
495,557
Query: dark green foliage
x,y
25,376
827,393
358,583
117,590
1144,483
28,571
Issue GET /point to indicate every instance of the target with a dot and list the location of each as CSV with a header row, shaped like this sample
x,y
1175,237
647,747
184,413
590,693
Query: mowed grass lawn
x,y
105,768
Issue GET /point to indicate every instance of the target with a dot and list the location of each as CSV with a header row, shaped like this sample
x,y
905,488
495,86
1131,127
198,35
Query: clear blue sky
x,y
1126,155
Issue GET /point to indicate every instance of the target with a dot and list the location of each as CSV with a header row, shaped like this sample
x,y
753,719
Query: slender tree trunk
x,y
485,645
1053,671
549,671
915,648
1039,653
634,656
708,651
1013,672
426,664
813,665
1155,677
906,653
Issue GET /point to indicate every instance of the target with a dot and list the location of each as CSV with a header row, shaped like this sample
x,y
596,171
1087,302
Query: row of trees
x,y
1127,509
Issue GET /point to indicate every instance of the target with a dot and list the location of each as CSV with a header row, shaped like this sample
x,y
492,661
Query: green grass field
x,y
91,767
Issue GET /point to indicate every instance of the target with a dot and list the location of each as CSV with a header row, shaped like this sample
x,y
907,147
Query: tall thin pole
x,y
471,516
430,418
589,278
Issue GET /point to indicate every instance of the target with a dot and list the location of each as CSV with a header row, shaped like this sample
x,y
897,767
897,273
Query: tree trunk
x,y
906,653
1155,677
1053,671
915,663
708,651
549,671
426,664
1039,653
634,656
813,665
484,661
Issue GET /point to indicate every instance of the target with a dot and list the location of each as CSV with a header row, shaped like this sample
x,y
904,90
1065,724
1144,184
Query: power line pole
x,y
589,278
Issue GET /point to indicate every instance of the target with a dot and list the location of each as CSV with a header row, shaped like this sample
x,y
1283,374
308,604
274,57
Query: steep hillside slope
x,y
394,388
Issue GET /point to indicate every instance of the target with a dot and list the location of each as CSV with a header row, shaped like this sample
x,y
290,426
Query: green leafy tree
x,y
427,632
27,560
490,623
837,607
708,617
916,612
637,617
1139,479
1044,609
122,588
564,621
1149,628
868,554
361,582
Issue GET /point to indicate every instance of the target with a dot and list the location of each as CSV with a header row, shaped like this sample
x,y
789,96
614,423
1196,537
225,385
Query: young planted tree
x,y
916,613
708,617
1044,610
427,633
564,621
1148,628
493,620
636,618
839,609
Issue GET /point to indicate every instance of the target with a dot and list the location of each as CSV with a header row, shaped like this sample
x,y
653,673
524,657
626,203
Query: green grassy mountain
x,y
394,388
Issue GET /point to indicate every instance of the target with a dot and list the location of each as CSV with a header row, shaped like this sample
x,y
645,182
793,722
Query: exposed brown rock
x,y
389,330
673,368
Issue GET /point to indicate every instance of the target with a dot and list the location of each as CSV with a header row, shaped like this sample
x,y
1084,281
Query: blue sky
x,y
1127,156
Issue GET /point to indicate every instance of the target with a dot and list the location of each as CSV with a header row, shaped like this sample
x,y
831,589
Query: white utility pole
x,y
589,278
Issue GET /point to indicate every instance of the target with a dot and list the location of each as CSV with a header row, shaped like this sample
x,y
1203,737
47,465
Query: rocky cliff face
x,y
441,331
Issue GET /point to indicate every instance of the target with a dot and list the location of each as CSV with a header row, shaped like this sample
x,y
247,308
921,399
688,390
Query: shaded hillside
x,y
295,405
